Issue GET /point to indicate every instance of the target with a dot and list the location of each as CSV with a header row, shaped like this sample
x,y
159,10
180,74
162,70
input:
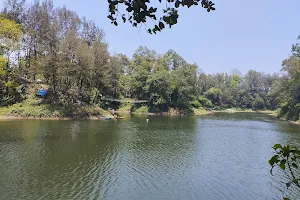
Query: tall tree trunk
x,y
54,82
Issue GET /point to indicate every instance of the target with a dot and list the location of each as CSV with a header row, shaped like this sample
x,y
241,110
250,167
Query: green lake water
x,y
222,156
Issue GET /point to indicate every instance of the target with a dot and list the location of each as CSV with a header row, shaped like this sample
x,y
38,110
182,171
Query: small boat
x,y
120,117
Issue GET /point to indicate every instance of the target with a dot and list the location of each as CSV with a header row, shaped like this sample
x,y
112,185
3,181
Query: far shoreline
x,y
228,111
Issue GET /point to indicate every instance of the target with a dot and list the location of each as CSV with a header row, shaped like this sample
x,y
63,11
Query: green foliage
x,y
125,85
10,90
213,94
141,11
196,104
142,109
174,60
79,71
70,55
287,159
10,33
235,90
289,111
235,81
287,88
3,64
258,103
125,107
9,29
183,84
206,102
158,84
200,111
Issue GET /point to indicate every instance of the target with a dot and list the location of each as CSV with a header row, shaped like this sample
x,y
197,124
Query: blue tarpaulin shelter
x,y
42,92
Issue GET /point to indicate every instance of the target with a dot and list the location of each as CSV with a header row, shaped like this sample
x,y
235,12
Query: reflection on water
x,y
223,156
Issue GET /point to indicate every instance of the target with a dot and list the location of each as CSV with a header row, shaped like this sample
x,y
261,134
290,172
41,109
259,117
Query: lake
x,y
222,156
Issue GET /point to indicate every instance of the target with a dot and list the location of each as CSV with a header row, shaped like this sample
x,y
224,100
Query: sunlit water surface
x,y
224,156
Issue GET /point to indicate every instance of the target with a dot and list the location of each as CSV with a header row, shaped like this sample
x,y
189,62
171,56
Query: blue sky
x,y
239,34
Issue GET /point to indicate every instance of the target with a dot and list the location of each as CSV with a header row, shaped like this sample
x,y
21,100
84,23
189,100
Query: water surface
x,y
224,156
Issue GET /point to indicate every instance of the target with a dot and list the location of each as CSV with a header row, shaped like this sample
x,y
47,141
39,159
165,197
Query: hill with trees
x,y
70,56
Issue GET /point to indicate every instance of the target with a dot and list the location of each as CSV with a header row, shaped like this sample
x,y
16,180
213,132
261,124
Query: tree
x,y
183,84
173,60
125,85
206,102
213,94
159,84
112,75
67,52
289,86
258,103
9,86
10,33
139,82
70,55
141,11
145,58
287,159
278,93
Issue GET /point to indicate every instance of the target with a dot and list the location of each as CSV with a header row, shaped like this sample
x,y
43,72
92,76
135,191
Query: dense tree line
x,y
71,56
286,89
64,50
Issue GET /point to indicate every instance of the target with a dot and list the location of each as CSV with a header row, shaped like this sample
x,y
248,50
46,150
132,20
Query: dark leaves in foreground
x,y
287,159
140,11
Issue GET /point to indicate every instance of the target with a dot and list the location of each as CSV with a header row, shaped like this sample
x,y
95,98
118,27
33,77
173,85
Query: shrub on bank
x,y
196,104
125,107
142,109
258,103
206,102
289,112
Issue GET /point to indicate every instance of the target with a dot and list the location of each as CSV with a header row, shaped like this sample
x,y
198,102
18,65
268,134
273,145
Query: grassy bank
x,y
33,108
273,113
129,108
202,111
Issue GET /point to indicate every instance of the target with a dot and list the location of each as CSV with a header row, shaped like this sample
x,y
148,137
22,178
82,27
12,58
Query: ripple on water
x,y
168,158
